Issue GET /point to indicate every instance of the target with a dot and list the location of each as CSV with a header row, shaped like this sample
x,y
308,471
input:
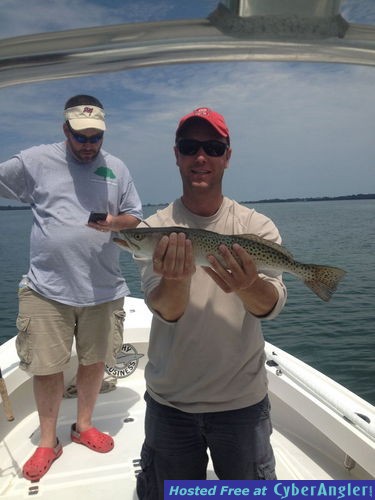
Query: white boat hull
x,y
311,440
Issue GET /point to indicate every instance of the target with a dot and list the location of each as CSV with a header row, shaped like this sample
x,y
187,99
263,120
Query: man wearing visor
x,y
206,379
74,287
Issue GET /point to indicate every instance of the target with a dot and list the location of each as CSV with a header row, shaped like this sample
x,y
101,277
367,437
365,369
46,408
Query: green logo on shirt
x,y
105,172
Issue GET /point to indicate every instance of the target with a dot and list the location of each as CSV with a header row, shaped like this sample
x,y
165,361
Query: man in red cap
x,y
206,379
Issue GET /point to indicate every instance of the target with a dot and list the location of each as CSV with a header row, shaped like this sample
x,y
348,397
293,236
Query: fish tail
x,y
325,280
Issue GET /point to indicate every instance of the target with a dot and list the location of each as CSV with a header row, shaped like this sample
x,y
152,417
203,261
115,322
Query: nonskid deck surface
x,y
81,473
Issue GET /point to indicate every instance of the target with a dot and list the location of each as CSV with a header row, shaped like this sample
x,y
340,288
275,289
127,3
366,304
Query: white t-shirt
x,y
70,262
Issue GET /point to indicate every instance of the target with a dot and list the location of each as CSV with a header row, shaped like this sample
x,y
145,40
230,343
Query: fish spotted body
x,y
267,255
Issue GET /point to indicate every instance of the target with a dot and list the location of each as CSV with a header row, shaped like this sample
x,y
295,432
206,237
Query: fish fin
x,y
325,281
268,243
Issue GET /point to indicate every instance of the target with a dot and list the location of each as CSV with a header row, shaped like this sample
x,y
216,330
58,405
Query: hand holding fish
x,y
173,257
239,275
236,274
173,260
267,255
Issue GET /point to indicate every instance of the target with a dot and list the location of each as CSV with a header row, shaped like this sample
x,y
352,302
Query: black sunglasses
x,y
190,147
82,139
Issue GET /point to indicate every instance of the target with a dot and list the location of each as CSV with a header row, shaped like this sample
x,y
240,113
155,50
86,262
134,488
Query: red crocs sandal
x,y
93,439
41,461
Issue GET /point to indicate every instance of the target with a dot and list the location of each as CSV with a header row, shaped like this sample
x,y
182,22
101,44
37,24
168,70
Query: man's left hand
x,y
238,274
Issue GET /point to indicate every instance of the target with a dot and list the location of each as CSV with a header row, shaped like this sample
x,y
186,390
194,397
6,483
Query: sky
x,y
297,130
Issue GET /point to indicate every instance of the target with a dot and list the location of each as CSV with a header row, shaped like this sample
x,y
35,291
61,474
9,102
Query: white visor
x,y
86,116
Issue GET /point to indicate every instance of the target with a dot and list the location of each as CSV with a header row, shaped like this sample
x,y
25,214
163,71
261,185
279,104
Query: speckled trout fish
x,y
322,280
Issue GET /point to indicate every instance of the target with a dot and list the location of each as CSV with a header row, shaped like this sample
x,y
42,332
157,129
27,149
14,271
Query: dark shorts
x,y
176,446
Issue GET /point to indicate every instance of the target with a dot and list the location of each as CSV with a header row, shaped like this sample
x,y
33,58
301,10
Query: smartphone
x,y
96,216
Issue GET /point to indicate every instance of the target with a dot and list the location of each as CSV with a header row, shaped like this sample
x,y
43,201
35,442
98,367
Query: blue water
x,y
337,337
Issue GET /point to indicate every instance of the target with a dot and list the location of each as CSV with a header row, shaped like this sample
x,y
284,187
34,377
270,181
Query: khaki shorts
x,y
46,330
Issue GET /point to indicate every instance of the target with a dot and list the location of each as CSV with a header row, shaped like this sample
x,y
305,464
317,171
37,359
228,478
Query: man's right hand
x,y
174,258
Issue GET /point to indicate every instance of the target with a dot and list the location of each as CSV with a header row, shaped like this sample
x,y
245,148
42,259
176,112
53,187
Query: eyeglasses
x,y
82,139
190,147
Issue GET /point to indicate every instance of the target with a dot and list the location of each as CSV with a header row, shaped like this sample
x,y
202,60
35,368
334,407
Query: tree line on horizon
x,y
370,196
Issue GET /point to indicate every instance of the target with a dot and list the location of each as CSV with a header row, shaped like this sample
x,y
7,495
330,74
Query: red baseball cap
x,y
209,115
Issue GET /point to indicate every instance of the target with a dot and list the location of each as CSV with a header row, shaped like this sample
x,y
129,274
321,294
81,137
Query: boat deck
x,y
310,441
80,473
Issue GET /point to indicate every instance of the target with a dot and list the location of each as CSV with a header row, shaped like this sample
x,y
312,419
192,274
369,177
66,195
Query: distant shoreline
x,y
271,200
320,198
292,200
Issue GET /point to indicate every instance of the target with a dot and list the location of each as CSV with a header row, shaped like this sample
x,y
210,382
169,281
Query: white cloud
x,y
359,11
297,130
289,125
56,15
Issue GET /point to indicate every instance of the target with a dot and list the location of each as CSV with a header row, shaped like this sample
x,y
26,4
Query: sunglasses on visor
x,y
190,147
82,139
